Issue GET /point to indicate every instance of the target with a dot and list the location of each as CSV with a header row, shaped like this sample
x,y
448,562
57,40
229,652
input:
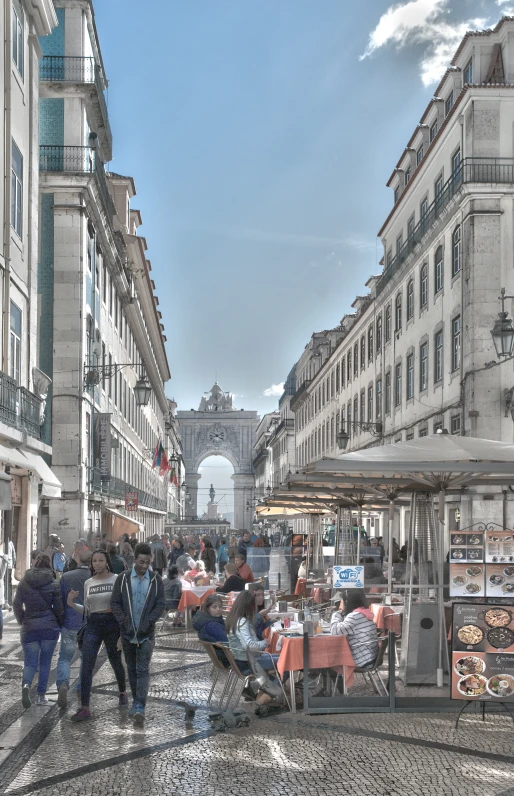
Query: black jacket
x,y
38,605
153,609
232,583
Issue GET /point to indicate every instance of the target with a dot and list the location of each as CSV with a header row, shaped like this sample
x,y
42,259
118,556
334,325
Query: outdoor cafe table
x,y
194,597
325,652
381,614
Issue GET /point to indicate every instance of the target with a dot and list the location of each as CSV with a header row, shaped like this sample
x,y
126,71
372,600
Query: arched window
x,y
438,270
410,299
388,323
423,286
456,251
398,313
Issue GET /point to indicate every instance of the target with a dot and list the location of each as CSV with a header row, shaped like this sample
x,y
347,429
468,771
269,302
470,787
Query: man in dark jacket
x,y
159,554
234,582
72,579
137,603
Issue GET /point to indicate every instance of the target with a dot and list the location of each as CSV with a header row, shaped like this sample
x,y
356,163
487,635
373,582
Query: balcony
x,y
485,171
19,408
78,160
116,489
261,457
300,396
74,71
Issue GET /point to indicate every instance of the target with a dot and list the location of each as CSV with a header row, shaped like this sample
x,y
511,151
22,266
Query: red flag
x,y
164,464
173,477
156,461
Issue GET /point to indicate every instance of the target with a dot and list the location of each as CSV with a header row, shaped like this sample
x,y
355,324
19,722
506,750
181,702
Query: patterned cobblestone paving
x,y
371,754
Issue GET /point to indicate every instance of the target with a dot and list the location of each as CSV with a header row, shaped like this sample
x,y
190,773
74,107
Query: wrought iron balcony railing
x,y
83,71
300,395
116,489
19,408
490,171
77,160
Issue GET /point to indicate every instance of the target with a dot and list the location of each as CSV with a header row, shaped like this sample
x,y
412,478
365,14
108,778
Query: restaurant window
x,y
388,323
363,352
456,343
410,299
455,424
468,72
423,367
438,356
16,189
410,377
423,286
438,270
398,384
388,392
456,251
356,359
378,403
17,37
379,334
15,343
370,404
398,313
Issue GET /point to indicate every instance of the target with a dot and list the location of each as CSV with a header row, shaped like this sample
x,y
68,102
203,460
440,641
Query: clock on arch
x,y
217,435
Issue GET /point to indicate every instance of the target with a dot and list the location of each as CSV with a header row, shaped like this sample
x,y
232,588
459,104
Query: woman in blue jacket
x,y
210,625
39,609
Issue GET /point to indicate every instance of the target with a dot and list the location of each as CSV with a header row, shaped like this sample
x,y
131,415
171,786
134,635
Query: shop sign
x,y
482,652
102,444
348,577
131,501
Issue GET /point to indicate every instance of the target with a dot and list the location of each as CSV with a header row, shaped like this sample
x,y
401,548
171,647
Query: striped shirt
x,y
362,635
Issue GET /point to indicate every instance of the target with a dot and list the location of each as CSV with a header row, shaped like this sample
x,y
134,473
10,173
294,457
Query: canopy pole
x,y
337,535
443,648
389,594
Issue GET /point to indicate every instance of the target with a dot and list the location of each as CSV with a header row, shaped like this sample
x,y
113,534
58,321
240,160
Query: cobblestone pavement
x,y
42,752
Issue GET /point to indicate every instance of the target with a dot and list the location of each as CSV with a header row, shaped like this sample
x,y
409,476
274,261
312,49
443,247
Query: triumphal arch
x,y
217,428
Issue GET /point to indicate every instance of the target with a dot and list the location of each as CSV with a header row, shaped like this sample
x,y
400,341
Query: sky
x,y
260,134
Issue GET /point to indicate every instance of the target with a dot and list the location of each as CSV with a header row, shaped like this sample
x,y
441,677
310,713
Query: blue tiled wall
x,y
45,289
51,121
54,44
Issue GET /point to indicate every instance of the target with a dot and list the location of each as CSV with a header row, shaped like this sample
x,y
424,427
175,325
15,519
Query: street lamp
x,y
503,330
142,391
343,437
94,374
269,490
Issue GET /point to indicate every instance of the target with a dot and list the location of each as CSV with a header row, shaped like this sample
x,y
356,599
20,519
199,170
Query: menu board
x,y
483,652
467,546
467,580
499,547
499,581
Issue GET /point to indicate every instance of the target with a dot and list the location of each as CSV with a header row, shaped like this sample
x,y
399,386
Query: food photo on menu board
x,y
466,546
482,628
499,580
484,676
467,580
499,547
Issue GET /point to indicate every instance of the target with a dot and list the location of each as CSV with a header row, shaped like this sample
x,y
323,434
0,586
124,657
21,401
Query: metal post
x,y
388,599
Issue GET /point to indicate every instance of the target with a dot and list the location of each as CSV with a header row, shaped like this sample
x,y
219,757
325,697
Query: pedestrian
x,y
177,549
158,553
3,573
244,543
172,589
11,563
71,562
127,554
222,554
73,579
232,549
208,556
39,609
187,560
117,562
101,626
137,603
243,570
53,551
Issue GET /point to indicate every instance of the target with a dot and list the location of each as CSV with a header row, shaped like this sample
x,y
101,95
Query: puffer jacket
x,y
243,639
209,628
38,605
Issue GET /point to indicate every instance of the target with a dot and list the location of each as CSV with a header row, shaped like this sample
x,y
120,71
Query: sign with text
x,y
131,501
102,444
348,577
499,547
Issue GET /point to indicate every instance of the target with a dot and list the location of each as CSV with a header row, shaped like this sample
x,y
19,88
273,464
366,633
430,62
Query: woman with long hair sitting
x,y
356,622
210,625
242,637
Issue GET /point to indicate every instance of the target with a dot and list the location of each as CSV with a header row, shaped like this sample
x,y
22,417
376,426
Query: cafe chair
x,y
217,670
236,671
372,670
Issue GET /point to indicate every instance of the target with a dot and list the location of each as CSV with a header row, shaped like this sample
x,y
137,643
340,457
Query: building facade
x,y
100,330
23,384
417,355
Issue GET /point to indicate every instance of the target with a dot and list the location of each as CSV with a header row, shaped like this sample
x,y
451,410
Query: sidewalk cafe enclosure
x,y
426,664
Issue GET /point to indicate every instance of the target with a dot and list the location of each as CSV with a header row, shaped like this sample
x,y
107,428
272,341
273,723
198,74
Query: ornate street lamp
x,y
503,330
142,391
343,437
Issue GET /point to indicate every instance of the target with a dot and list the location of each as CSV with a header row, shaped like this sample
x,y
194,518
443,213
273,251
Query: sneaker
x,y
123,703
139,715
25,696
133,710
82,714
62,695
41,699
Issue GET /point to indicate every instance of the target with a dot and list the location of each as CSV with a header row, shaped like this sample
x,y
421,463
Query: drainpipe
x,y
7,185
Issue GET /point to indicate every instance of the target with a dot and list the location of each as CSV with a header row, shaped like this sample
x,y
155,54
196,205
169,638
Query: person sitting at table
x,y
372,572
172,589
210,625
356,622
198,575
243,569
233,582
262,620
242,637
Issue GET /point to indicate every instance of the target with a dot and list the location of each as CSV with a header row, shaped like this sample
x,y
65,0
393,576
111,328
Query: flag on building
x,y
173,477
159,450
165,466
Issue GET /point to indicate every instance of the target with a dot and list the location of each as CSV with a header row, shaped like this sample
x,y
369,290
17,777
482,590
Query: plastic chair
x,y
217,669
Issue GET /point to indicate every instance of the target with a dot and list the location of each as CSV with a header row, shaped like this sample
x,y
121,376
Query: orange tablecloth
x,y
325,652
385,618
190,599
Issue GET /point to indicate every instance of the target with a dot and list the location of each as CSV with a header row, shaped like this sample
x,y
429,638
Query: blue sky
x,y
260,142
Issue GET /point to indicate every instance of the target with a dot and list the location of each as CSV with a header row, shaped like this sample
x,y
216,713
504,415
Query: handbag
x,y
81,631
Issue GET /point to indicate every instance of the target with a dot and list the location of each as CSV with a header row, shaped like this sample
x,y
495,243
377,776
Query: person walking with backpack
x,y
73,579
159,555
137,603
39,609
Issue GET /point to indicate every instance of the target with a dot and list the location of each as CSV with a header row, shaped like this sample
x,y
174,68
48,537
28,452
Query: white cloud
x,y
275,390
422,22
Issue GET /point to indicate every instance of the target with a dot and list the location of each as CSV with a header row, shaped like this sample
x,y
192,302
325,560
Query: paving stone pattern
x,y
319,755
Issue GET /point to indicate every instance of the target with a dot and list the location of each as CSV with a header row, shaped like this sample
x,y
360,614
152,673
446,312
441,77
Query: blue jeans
x,y
67,650
138,668
38,654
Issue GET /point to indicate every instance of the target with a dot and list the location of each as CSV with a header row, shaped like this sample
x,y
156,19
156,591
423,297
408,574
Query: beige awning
x,y
29,462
